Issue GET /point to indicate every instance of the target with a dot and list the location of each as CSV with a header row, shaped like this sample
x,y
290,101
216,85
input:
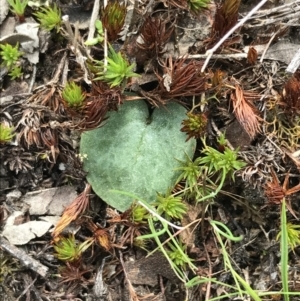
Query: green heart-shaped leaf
x,y
136,153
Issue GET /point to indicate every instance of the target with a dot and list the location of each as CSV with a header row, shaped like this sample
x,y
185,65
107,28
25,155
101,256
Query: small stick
x,y
210,52
94,17
73,40
105,41
100,287
32,79
294,64
27,288
24,258
269,43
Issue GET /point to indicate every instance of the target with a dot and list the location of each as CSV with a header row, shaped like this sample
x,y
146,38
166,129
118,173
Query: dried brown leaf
x,y
252,55
225,18
276,193
181,78
73,211
155,34
245,112
291,95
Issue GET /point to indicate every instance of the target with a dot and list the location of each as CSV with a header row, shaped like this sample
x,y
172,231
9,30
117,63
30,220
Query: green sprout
x,y
15,72
170,206
226,162
73,95
164,232
117,70
293,235
67,249
18,7
8,266
190,172
9,55
139,214
195,125
113,19
100,35
205,177
49,18
177,254
196,5
6,133
222,164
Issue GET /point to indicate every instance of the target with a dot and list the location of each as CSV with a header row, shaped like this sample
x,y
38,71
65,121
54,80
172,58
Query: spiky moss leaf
x,y
136,153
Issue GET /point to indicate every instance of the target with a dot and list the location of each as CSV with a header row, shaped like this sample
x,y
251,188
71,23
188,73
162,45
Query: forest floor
x,y
249,103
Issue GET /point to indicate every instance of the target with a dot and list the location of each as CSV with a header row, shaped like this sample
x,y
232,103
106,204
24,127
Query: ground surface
x,y
257,108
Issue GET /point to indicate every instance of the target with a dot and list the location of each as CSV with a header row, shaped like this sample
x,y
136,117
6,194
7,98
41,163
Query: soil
x,y
254,103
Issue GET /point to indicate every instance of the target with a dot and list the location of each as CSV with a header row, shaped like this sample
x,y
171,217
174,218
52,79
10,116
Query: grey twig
x,y
294,64
211,51
24,258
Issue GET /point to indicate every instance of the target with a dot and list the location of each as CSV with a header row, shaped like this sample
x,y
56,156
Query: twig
x,y
32,79
283,11
133,295
58,70
80,59
70,34
100,287
241,55
94,17
25,259
269,43
294,64
64,76
105,41
291,18
27,288
208,287
210,52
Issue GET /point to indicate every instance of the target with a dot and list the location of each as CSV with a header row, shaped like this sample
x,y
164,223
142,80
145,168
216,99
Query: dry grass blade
x,y
19,160
73,211
245,112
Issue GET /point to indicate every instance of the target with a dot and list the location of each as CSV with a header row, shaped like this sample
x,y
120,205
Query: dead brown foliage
x,y
225,18
181,78
245,112
72,212
155,34
291,95
98,102
252,56
276,193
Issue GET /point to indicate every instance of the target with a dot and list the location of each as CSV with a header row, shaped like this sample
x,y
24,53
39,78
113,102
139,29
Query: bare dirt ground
x,y
245,92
